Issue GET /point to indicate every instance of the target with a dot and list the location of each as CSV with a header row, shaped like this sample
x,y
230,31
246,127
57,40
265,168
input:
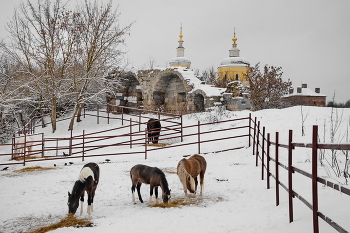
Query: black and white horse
x,y
87,182
149,175
153,129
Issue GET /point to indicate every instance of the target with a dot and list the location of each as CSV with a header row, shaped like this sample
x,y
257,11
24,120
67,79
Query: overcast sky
x,y
309,39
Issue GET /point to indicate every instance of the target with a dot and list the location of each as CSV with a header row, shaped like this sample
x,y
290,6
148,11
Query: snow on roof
x,y
234,61
305,92
189,75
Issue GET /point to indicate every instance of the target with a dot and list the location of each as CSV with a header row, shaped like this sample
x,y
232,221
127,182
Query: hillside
x,y
235,198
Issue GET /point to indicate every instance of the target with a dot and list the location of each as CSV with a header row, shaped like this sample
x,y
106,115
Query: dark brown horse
x,y
188,170
153,129
87,182
149,175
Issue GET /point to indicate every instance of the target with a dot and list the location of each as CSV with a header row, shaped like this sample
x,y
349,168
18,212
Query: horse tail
x,y
184,175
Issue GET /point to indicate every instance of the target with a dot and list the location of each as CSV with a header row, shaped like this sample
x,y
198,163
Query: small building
x,y
306,96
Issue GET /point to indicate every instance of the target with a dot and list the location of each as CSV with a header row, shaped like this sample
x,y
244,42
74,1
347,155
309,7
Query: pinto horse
x,y
153,129
188,170
87,182
149,175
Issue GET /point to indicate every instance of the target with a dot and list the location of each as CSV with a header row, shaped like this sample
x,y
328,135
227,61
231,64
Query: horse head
x,y
73,203
166,196
191,186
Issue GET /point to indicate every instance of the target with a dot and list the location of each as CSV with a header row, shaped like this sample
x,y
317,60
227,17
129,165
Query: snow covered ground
x,y
235,198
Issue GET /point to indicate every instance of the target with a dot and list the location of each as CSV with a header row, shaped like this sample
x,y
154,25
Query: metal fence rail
x,y
261,148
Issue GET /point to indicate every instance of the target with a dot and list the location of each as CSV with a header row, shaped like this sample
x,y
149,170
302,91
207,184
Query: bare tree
x,y
209,76
268,88
64,55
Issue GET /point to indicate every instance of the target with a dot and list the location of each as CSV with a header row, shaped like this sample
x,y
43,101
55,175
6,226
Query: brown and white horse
x,y
188,171
87,182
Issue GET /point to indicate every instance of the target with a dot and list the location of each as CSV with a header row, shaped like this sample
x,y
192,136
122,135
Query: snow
x,y
305,92
235,199
234,61
209,90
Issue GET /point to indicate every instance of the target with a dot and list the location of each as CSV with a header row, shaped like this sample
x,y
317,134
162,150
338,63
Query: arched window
x,y
237,76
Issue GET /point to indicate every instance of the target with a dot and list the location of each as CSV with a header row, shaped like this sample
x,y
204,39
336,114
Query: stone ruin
x,y
171,90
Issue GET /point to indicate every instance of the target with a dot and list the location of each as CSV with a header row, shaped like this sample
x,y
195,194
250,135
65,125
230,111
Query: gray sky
x,y
309,39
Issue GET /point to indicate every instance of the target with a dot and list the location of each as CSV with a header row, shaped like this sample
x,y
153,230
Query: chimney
x,y
317,90
291,90
298,89
304,85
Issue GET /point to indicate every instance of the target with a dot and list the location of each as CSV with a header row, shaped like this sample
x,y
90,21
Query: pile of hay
x,y
34,169
69,221
174,203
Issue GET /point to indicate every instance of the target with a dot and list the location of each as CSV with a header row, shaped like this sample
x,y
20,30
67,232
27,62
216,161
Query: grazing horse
x,y
188,170
149,175
153,129
21,143
87,182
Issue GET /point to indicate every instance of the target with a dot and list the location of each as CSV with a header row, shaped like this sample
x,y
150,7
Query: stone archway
x,y
198,101
170,93
127,94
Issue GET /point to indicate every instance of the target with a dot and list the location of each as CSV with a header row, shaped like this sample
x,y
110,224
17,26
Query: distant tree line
x,y
338,105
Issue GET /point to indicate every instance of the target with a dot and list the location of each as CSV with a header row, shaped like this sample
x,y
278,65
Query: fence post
x,y
42,145
268,161
254,136
70,142
314,179
257,144
130,134
56,147
122,115
262,154
199,138
290,173
13,147
140,121
276,172
145,143
24,147
83,144
250,130
181,128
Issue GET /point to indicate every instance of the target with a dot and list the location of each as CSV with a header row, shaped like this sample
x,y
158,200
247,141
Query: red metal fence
x,y
79,146
262,150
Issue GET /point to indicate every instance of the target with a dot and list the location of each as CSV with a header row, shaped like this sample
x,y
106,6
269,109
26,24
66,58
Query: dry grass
x,y
191,201
158,144
175,203
170,170
34,169
69,221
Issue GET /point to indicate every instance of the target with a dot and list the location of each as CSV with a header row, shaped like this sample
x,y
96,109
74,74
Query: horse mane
x,y
78,188
163,179
183,174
